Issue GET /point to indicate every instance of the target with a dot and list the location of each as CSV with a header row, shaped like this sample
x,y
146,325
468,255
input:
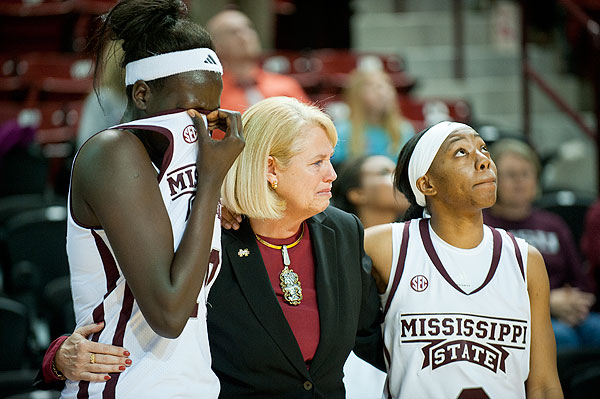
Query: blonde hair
x,y
358,114
272,127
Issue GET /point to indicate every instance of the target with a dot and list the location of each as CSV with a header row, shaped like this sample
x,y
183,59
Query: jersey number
x,y
473,393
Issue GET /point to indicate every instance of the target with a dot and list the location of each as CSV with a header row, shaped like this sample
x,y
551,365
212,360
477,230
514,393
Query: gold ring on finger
x,y
93,358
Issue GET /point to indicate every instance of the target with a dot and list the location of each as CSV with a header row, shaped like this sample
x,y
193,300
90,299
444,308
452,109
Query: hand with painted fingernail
x,y
81,359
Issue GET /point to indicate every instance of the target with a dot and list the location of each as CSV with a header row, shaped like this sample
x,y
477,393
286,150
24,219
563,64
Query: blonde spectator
x,y
375,125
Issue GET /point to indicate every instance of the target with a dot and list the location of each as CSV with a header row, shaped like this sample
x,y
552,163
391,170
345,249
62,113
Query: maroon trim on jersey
x,y
108,261
388,358
124,316
77,222
212,271
168,157
181,168
194,311
112,276
426,238
183,193
399,267
98,316
518,254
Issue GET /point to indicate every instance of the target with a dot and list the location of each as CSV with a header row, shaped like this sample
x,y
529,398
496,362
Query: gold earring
x,y
274,185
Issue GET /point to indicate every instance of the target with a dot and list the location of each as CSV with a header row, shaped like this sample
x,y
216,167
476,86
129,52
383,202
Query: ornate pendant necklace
x,y
290,285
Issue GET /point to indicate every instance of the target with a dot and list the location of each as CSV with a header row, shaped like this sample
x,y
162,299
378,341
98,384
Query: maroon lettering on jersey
x,y
189,134
452,337
419,283
473,393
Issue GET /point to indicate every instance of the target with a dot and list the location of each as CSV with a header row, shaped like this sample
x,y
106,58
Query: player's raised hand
x,y
215,157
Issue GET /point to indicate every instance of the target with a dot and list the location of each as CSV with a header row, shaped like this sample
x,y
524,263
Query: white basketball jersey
x,y
448,335
161,367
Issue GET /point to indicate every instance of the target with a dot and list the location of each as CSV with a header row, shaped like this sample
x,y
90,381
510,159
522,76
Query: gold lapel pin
x,y
243,252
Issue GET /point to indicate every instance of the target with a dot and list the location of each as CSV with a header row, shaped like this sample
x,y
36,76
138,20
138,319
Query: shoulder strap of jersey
x,y
399,267
518,254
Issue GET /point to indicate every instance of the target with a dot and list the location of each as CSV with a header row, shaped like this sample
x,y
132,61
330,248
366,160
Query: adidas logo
x,y
210,60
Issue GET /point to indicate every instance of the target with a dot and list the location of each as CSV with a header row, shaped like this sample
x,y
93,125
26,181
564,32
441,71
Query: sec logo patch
x,y
419,283
189,134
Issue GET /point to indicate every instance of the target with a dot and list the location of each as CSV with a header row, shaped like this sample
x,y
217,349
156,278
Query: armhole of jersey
x,y
518,255
397,269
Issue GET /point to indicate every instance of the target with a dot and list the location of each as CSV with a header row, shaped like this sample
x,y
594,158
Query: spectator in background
x,y
365,187
244,81
590,242
105,106
518,171
375,125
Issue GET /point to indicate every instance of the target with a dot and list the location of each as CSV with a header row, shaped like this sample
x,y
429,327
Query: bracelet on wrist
x,y
57,372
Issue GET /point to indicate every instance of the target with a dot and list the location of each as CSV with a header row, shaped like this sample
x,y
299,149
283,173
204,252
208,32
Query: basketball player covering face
x,y
143,209
466,306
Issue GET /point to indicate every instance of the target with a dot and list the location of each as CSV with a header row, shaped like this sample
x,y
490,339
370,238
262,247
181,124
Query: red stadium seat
x,y
12,87
324,73
23,23
295,64
88,12
335,67
425,111
54,76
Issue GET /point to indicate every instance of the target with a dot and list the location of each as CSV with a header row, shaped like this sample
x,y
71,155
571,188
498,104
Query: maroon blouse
x,y
303,318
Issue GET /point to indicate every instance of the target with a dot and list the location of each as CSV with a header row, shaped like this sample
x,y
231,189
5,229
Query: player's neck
x,y
461,231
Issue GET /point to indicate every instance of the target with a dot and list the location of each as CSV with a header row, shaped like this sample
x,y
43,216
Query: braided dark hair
x,y
401,180
146,28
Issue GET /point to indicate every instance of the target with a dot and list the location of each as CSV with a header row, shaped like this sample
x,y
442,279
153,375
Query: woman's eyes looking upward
x,y
462,151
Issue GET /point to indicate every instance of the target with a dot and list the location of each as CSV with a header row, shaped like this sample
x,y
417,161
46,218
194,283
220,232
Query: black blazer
x,y
255,353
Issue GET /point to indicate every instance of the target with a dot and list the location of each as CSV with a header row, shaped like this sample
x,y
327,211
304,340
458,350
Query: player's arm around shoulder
x,y
543,382
378,245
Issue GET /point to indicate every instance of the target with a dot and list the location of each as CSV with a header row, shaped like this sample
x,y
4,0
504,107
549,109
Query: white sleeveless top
x,y
161,367
457,321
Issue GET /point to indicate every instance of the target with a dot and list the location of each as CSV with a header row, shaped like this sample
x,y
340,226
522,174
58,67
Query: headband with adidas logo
x,y
162,65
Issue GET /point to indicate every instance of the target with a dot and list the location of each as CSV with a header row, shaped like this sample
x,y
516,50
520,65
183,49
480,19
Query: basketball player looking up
x,y
466,306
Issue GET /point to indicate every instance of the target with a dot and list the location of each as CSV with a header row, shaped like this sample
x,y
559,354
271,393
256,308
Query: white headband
x,y
426,150
162,65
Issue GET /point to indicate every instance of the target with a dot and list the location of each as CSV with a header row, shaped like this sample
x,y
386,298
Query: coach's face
x,y
305,183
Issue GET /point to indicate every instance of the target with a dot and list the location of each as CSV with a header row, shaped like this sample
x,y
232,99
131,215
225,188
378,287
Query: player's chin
x,y
487,201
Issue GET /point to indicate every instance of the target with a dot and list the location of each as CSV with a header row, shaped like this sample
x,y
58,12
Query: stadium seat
x,y
579,372
423,112
298,65
23,171
334,66
22,23
55,76
57,306
37,238
88,12
12,87
14,334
